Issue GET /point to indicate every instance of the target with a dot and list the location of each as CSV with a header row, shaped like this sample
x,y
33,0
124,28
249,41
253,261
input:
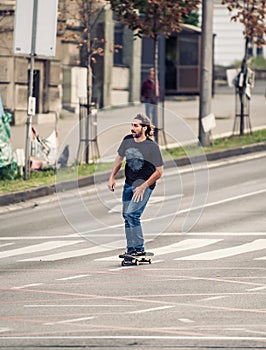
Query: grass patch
x,y
219,144
48,177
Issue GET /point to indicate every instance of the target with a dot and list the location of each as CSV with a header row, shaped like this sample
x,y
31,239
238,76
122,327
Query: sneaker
x,y
130,252
139,253
126,253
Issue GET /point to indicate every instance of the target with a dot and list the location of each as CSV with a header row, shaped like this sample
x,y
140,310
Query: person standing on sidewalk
x,y
150,95
144,166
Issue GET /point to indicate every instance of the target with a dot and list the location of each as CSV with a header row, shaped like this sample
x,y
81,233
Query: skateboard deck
x,y
136,259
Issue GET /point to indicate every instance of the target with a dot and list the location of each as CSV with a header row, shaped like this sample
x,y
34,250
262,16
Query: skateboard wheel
x,y
123,263
136,262
149,261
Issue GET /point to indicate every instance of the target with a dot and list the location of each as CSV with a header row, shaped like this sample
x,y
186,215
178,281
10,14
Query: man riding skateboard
x,y
144,166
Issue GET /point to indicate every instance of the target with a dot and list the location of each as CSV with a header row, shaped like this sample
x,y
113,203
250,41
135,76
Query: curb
x,y
23,196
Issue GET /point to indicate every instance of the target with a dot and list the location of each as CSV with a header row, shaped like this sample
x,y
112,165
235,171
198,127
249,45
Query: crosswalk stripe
x,y
175,247
227,252
31,238
79,252
5,244
184,245
37,248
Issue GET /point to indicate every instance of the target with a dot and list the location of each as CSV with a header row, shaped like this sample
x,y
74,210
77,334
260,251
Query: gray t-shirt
x,y
141,159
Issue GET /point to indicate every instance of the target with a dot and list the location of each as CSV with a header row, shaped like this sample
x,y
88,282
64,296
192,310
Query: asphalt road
x,y
63,286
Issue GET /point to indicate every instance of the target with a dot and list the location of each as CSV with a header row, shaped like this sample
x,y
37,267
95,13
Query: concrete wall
x,y
132,59
120,86
14,86
108,58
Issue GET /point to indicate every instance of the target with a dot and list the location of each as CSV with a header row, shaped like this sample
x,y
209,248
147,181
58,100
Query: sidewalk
x,y
180,119
181,126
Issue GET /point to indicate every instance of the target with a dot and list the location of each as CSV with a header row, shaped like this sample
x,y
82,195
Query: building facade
x,y
119,62
229,39
60,81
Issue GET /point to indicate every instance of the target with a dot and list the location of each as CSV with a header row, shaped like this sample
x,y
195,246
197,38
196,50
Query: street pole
x,y
31,99
85,62
156,114
206,68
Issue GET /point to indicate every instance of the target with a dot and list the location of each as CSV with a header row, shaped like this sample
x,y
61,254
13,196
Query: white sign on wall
x,y
46,25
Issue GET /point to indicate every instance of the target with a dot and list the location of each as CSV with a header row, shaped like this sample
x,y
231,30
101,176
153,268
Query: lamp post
x,y
206,69
31,99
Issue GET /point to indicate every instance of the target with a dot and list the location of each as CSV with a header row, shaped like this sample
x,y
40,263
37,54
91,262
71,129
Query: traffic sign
x,y
44,32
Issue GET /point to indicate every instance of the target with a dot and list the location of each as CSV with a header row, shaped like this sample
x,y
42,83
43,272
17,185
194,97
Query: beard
x,y
136,135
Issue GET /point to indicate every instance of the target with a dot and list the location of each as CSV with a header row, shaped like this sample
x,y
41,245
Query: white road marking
x,y
72,277
214,298
186,244
157,261
76,253
185,320
236,234
228,252
74,305
262,258
256,289
4,329
5,245
23,238
37,248
175,247
254,332
135,336
70,321
28,285
208,205
116,209
151,310
178,212
115,235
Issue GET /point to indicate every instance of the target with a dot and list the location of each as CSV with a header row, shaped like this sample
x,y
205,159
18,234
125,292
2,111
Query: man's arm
x,y
116,167
139,191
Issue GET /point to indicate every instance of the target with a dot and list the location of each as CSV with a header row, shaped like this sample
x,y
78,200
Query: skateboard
x,y
135,259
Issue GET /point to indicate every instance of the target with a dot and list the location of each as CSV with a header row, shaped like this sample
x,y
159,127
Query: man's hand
x,y
111,184
116,167
138,193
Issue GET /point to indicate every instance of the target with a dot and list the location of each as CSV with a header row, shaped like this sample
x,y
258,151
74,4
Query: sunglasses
x,y
136,125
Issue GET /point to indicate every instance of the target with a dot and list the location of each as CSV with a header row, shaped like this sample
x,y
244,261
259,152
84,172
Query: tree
x,y
78,23
78,20
252,14
151,18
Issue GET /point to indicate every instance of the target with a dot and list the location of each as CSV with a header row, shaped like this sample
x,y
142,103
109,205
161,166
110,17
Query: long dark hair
x,y
145,121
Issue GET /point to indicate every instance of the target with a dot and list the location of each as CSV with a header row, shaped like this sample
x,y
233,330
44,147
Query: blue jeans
x,y
132,212
150,111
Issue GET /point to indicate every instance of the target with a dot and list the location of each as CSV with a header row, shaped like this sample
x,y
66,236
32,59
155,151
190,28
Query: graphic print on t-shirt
x,y
135,159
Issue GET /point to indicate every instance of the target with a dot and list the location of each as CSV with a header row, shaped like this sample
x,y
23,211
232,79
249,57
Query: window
x,y
188,51
118,44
